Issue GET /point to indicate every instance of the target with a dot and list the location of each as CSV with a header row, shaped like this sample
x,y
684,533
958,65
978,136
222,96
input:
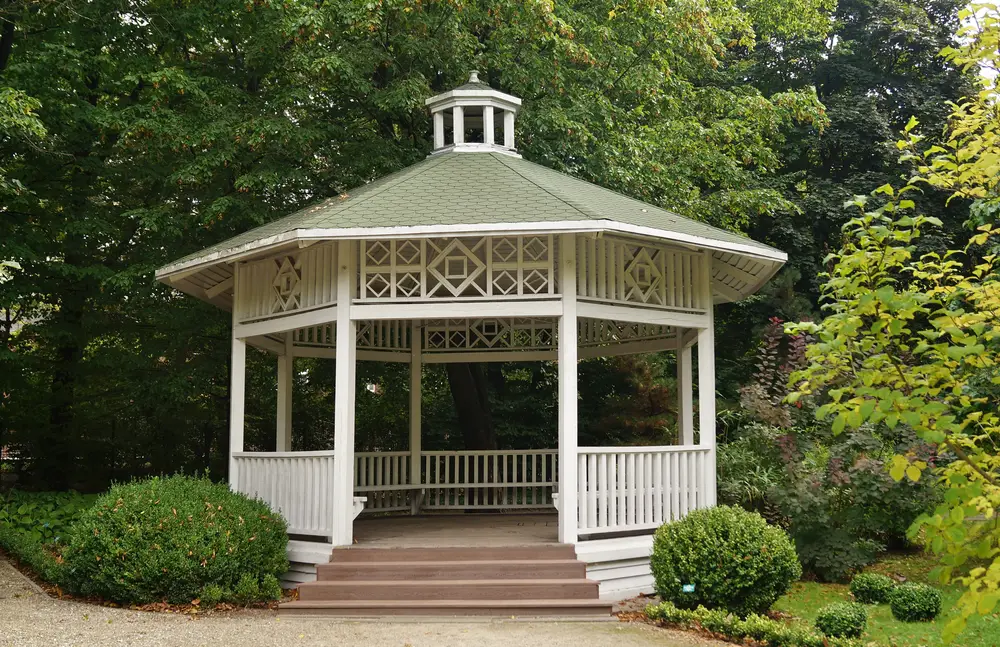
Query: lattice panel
x,y
457,268
602,332
619,270
499,334
287,283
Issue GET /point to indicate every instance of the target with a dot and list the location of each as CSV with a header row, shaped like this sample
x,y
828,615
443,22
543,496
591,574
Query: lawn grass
x,y
807,598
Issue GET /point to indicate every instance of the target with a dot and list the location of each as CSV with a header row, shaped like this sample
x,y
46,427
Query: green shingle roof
x,y
474,189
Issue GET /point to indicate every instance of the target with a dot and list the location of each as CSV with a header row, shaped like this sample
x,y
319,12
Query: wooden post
x,y
568,486
439,129
508,130
488,127
416,372
685,399
343,427
706,384
286,378
237,391
458,124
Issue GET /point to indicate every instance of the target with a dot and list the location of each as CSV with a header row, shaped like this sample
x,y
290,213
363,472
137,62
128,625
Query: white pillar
x,y
706,384
286,377
416,371
685,399
488,127
237,391
568,485
458,124
343,426
439,129
508,129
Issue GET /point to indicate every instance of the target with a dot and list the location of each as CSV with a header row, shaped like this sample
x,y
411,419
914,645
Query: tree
x,y
913,340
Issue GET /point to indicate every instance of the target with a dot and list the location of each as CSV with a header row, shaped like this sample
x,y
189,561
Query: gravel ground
x,y
29,617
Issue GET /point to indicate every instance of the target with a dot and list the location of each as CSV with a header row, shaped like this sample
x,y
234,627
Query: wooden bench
x,y
415,504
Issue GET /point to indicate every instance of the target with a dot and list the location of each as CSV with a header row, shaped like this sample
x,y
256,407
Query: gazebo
x,y
476,255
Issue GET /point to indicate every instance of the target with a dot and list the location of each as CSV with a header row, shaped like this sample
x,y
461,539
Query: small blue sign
x,y
687,588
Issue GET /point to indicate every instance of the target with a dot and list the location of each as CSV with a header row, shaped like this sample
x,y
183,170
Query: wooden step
x,y
453,553
521,569
438,590
577,609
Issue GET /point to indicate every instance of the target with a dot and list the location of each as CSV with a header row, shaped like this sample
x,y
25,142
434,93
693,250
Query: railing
x,y
299,485
639,488
378,475
504,479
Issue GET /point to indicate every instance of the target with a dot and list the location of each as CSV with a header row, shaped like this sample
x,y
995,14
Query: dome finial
x,y
474,76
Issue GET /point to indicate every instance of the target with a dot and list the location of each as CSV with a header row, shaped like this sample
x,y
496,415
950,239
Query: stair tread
x,y
477,562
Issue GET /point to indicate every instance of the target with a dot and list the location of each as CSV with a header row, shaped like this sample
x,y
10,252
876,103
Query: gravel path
x,y
30,618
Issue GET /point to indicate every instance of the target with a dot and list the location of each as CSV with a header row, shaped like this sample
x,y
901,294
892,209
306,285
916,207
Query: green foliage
x,y
247,589
31,552
754,627
168,538
270,588
842,620
915,602
871,588
750,467
840,504
45,516
734,559
210,595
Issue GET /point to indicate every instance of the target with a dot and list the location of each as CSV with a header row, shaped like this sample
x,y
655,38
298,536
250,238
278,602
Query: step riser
x,y
521,612
355,572
455,554
449,590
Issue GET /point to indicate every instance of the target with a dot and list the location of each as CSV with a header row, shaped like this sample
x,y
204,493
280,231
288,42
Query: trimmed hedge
x,y
755,627
31,552
872,588
732,559
175,539
915,602
842,620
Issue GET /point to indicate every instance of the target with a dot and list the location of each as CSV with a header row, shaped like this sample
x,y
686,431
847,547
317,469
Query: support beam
x,y
416,373
568,484
640,314
458,125
468,309
343,427
237,394
219,288
706,392
685,399
286,379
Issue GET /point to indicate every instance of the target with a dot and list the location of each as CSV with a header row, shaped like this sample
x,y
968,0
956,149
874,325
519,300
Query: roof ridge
x,y
584,211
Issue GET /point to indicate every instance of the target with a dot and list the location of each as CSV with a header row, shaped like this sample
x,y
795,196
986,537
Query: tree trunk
x,y
471,393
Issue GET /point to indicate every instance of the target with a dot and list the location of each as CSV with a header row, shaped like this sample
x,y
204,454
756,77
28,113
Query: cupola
x,y
474,117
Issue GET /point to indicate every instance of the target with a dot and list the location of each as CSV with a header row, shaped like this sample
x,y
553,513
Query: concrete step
x,y
453,553
519,569
462,590
576,609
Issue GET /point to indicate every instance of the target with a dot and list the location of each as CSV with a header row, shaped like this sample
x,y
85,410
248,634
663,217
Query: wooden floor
x,y
467,530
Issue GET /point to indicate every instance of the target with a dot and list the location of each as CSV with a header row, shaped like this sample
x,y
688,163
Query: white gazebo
x,y
476,255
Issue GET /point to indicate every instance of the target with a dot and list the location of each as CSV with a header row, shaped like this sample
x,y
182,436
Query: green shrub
x,y
915,602
168,538
211,595
872,588
842,620
270,588
733,559
758,628
32,552
247,589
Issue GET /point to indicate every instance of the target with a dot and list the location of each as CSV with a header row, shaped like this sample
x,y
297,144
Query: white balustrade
x,y
299,485
494,479
379,475
620,488
639,488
